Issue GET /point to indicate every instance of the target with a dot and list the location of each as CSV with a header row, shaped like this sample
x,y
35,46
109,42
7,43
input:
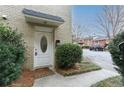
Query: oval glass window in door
x,y
43,44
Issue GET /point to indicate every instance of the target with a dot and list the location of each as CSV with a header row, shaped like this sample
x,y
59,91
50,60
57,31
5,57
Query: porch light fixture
x,y
121,46
57,43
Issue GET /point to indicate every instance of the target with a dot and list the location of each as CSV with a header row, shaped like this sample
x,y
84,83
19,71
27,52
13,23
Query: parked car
x,y
96,48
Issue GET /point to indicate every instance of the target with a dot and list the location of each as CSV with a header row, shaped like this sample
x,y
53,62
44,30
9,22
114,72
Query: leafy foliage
x,y
117,55
12,51
67,55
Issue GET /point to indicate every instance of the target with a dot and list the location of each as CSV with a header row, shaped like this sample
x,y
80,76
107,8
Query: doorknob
x,y
35,53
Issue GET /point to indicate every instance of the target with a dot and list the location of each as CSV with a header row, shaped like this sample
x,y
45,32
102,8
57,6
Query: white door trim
x,y
45,30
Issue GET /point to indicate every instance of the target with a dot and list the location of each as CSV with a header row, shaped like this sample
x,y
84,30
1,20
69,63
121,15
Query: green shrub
x,y
117,55
86,47
67,55
11,55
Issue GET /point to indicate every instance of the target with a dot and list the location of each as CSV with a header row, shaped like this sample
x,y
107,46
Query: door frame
x,y
47,30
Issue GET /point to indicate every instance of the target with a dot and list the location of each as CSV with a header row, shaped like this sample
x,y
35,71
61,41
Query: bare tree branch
x,y
77,30
111,20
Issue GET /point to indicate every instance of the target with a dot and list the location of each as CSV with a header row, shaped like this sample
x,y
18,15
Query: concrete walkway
x,y
81,80
101,58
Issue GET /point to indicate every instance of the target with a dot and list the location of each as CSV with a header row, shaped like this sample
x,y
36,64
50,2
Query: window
x,y
43,44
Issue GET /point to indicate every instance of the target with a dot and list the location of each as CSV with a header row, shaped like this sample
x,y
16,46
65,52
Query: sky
x,y
87,15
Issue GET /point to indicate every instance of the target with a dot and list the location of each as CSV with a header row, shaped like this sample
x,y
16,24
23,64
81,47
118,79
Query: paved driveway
x,y
103,59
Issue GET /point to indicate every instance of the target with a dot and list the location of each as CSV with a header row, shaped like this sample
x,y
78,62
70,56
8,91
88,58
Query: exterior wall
x,y
88,42
102,42
16,19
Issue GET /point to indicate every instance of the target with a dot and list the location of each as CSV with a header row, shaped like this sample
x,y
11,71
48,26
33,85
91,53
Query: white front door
x,y
43,49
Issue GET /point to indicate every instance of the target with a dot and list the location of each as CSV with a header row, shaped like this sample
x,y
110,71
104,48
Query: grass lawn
x,y
82,67
110,82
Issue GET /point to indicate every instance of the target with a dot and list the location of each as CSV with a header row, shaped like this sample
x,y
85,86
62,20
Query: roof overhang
x,y
42,18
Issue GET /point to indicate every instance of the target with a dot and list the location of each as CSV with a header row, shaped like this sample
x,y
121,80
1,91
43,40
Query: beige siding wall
x,y
16,20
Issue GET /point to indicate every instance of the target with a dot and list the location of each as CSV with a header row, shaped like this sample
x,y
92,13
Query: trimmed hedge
x,y
11,55
117,55
67,55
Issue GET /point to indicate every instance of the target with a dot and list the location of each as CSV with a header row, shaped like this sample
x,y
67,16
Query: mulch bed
x,y
70,71
78,69
27,78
